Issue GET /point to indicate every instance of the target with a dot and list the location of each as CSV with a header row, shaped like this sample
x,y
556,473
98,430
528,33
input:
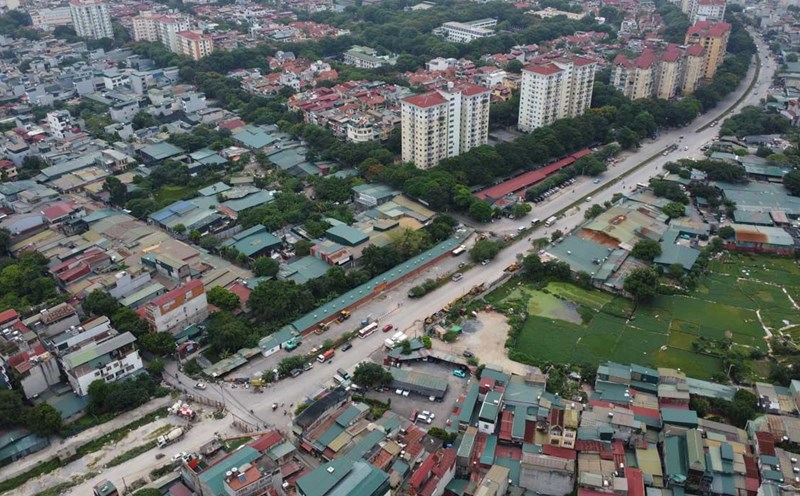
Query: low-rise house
x,y
112,359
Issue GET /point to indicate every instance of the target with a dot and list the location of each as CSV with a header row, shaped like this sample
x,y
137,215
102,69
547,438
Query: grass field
x,y
741,296
170,194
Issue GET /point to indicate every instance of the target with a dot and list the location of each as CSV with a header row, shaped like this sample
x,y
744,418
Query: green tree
x,y
726,232
265,267
484,250
226,334
117,192
195,235
44,420
371,375
223,298
98,393
303,247
142,120
593,211
5,241
157,343
10,407
520,210
744,407
514,67
98,302
156,366
209,242
277,302
481,211
792,182
179,228
426,342
674,210
642,283
676,271
646,249
286,365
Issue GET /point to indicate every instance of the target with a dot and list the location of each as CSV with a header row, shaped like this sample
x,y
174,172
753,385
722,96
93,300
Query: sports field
x,y
742,296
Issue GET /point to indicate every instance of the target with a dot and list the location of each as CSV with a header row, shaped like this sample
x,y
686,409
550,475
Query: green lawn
x,y
170,194
673,322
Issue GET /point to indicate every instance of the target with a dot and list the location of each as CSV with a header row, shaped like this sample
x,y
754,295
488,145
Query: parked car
x,y
296,372
387,328
468,354
460,373
308,366
346,347
200,385
413,416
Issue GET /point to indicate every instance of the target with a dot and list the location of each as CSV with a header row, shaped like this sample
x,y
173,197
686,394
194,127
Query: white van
x,y
457,276
534,221
588,199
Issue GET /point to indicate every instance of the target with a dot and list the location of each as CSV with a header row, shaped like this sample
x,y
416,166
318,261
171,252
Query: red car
x,y
413,416
388,327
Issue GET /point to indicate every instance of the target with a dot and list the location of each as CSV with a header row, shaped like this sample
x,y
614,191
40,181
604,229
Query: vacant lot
x,y
743,296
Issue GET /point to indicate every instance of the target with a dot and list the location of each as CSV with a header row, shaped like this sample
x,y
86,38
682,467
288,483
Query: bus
x,y
458,251
366,331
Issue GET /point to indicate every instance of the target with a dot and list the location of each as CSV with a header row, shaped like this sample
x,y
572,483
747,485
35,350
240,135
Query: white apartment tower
x,y
444,123
59,122
558,89
91,19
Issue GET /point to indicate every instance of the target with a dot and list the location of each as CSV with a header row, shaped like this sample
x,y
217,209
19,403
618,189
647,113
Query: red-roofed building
x,y
555,89
36,369
8,318
444,123
247,480
177,309
62,211
434,474
713,37
266,441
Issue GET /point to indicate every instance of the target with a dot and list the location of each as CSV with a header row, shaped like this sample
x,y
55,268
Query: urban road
x,y
394,307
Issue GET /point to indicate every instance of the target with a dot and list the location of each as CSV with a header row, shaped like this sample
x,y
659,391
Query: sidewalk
x,y
57,444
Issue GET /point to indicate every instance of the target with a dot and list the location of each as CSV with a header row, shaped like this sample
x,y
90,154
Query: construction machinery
x,y
343,315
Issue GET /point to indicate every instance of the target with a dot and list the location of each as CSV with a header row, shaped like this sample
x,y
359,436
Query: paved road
x,y
394,307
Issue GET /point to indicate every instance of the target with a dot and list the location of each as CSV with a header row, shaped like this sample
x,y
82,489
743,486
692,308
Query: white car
x,y
200,385
179,456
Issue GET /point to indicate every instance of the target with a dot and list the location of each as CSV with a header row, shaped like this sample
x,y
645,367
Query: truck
x,y
459,250
324,357
343,315
292,343
343,373
169,437
550,221
512,268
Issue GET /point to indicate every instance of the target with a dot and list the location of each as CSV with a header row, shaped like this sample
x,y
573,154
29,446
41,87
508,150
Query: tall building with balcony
x,y
557,89
111,359
713,37
91,19
444,123
194,44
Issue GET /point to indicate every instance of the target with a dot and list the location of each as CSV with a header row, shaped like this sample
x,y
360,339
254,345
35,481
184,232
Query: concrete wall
x,y
549,483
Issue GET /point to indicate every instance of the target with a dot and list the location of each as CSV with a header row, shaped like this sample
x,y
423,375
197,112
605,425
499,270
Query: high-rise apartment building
x,y
556,89
703,10
444,123
194,44
660,72
148,26
91,19
693,68
713,37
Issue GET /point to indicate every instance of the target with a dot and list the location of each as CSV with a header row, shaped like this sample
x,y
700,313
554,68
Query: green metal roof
x,y
253,241
214,476
348,416
347,235
694,450
261,197
487,457
214,189
420,380
97,350
334,307
470,400
677,254
513,466
343,477
675,457
491,406
686,418
365,445
161,151
328,436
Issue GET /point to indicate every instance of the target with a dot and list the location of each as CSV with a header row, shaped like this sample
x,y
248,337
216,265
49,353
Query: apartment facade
x,y
713,37
177,309
367,58
148,26
194,44
660,72
48,19
91,19
558,89
59,121
111,359
444,123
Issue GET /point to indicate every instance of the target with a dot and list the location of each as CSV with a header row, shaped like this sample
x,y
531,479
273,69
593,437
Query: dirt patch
x,y
486,337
